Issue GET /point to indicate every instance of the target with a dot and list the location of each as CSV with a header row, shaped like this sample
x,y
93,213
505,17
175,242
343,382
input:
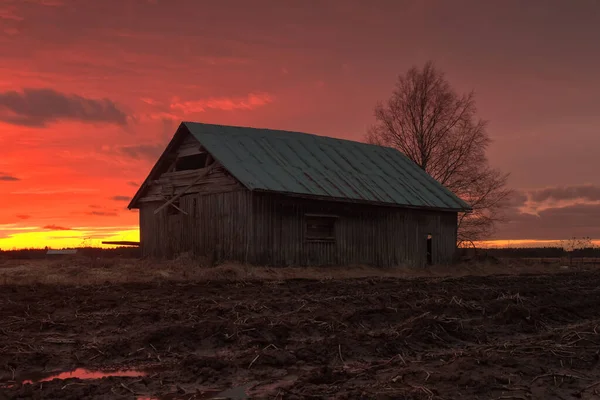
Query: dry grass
x,y
86,271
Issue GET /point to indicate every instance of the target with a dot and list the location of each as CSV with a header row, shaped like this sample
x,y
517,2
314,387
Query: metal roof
x,y
306,164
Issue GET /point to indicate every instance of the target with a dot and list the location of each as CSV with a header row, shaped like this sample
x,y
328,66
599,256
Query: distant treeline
x,y
134,252
92,252
539,252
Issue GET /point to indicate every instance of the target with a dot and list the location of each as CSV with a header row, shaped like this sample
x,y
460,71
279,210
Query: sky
x,y
92,90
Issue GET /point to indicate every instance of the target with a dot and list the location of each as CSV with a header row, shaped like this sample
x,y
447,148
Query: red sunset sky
x,y
91,91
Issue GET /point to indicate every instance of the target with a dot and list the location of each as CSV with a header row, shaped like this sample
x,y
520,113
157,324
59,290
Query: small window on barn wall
x,y
195,161
320,227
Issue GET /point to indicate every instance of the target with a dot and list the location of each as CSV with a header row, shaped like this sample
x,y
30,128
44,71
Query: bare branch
x,y
439,130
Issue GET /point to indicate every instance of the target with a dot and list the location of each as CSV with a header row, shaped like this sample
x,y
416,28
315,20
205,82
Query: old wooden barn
x,y
287,198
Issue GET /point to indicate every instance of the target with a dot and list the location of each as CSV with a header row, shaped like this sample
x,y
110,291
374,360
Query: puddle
x,y
81,373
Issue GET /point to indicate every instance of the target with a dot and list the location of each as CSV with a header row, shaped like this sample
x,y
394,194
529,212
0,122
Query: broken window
x,y
320,227
195,161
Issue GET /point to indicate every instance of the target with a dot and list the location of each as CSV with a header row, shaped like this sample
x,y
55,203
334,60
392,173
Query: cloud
x,y
8,14
8,177
533,201
9,230
39,107
121,198
132,183
47,3
250,102
582,192
102,213
142,151
11,31
56,228
150,101
552,213
553,223
39,191
23,216
518,199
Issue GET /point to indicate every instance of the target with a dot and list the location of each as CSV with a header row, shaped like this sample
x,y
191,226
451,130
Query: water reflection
x,y
84,374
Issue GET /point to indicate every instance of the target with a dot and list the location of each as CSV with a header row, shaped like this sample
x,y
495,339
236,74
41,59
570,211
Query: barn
x,y
272,197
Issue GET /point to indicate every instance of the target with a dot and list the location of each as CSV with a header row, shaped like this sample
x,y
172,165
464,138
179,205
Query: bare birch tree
x,y
439,130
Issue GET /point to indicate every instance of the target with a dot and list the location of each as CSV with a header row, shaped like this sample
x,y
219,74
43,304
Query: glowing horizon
x,y
87,237
31,238
507,243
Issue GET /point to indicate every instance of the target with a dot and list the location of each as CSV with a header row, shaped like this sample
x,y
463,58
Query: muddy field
x,y
512,337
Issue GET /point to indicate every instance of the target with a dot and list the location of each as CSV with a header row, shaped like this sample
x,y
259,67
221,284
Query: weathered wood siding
x,y
172,183
270,229
216,226
219,225
363,234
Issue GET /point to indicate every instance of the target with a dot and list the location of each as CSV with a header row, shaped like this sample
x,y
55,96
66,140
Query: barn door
x,y
429,249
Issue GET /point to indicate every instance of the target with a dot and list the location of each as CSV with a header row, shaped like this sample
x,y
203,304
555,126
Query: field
x,y
275,334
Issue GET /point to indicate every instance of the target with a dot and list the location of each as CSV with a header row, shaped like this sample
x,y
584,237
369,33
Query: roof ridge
x,y
253,128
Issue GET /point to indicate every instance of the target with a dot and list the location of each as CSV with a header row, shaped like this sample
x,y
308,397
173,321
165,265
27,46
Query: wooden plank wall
x,y
216,226
383,236
269,229
172,183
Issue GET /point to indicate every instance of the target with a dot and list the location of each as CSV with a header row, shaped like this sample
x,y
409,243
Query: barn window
x,y
320,227
187,163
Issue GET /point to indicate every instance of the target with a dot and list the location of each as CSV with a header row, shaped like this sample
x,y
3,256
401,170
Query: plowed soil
x,y
511,337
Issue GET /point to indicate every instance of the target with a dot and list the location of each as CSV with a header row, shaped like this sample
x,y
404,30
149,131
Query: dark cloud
x,y
553,223
8,177
102,213
38,107
48,3
23,216
121,198
584,192
517,199
132,183
143,151
56,228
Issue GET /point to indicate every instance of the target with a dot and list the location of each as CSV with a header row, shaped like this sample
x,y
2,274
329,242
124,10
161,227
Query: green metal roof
x,y
305,164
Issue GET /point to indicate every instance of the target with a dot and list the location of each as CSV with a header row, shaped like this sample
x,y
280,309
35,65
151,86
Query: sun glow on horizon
x,y
511,243
56,239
